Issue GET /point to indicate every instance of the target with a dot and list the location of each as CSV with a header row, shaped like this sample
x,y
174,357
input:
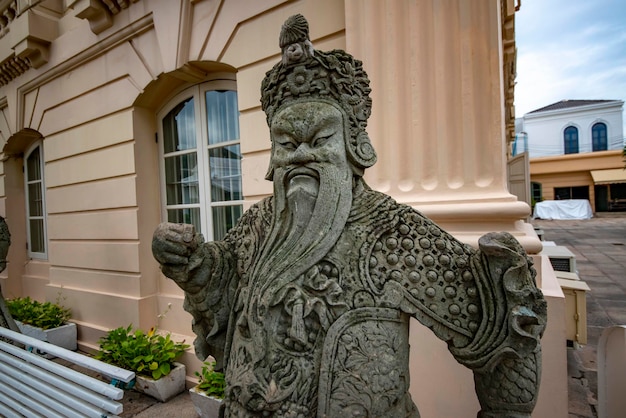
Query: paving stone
x,y
602,265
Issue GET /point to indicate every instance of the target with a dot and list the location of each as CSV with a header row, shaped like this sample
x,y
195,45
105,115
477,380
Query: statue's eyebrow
x,y
325,122
318,123
280,129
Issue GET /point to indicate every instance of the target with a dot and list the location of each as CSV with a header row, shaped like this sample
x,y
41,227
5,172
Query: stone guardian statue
x,y
306,302
6,320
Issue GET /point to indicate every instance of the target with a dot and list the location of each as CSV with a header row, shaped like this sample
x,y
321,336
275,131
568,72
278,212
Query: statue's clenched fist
x,y
173,244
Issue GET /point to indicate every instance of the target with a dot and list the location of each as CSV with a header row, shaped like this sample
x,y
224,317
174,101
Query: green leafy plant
x,y
149,354
211,382
45,315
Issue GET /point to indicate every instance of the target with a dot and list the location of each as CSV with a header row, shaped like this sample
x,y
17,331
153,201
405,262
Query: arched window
x,y
599,137
35,201
201,159
570,140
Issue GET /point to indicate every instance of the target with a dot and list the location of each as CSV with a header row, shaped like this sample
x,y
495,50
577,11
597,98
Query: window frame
x,y
38,145
569,142
202,151
595,140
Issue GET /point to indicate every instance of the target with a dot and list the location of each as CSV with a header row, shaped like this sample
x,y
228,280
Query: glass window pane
x,y
222,116
181,179
571,140
185,216
36,236
35,201
224,218
599,139
225,167
179,128
33,166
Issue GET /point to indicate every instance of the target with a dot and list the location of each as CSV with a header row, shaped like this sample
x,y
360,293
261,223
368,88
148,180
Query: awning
x,y
613,175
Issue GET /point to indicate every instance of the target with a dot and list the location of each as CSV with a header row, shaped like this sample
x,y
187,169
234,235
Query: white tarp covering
x,y
563,209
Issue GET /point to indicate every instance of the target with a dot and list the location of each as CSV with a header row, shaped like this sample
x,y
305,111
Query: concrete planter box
x,y
205,405
63,336
166,387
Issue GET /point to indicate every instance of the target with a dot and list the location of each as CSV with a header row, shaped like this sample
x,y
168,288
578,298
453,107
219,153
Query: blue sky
x,y
569,49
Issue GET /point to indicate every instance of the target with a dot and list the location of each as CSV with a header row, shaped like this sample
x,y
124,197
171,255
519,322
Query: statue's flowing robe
x,y
334,341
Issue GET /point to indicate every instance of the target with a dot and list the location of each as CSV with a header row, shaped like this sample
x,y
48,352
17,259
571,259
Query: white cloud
x,y
570,50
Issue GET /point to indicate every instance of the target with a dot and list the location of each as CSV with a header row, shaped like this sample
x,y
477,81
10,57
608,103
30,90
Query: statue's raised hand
x,y
175,247
173,243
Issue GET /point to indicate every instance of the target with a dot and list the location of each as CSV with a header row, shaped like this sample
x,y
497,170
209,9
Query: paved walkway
x,y
600,248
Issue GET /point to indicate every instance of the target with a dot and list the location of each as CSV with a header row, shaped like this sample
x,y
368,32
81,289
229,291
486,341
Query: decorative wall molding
x,y
509,69
12,68
100,13
28,27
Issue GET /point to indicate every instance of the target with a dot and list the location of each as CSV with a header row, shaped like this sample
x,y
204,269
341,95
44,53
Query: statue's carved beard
x,y
309,216
304,228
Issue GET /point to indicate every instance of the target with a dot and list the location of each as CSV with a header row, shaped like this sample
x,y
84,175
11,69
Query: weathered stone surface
x,y
6,320
305,303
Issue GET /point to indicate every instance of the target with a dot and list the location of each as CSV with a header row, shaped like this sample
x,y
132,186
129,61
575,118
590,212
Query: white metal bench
x,y
33,386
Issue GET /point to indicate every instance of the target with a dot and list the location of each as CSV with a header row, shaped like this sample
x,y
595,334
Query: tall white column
x,y
438,114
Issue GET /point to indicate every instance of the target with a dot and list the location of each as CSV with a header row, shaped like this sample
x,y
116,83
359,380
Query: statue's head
x,y
316,96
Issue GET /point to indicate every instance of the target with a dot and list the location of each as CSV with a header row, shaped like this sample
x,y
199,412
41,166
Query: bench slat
x,y
98,386
27,394
115,372
11,407
71,405
51,379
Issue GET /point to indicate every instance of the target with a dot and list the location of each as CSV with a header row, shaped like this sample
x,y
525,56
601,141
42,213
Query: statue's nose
x,y
302,154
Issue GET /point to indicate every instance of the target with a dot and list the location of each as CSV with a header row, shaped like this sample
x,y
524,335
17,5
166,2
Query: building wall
x,y
545,129
101,75
572,170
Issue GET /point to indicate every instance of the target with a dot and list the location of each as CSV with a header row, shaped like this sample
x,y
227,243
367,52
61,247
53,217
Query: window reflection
x,y
599,137
181,179
224,218
179,128
225,164
222,116
202,166
35,203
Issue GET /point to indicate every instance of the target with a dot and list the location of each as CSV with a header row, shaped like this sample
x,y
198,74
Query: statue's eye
x,y
321,140
287,143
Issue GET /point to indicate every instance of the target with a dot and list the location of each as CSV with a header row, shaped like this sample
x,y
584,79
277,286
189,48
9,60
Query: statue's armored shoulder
x,y
423,270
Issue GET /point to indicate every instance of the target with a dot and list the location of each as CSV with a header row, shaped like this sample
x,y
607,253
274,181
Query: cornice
x,y
123,35
28,28
99,13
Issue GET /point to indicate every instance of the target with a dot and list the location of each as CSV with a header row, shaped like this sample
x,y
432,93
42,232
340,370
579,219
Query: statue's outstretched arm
x,y
210,272
207,274
505,353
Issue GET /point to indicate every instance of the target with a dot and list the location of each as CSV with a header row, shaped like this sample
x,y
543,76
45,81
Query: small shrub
x,y
211,382
44,315
149,354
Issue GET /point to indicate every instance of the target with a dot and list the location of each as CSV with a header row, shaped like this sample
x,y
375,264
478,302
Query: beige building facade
x,y
597,176
99,100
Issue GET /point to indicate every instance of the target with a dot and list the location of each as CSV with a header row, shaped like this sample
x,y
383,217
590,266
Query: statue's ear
x,y
270,170
361,154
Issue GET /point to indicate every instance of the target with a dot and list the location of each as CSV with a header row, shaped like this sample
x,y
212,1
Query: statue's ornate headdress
x,y
335,77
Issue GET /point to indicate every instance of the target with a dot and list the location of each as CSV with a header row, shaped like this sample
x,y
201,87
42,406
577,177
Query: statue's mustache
x,y
306,170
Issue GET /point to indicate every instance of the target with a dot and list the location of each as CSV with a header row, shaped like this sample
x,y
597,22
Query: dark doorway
x,y
602,198
617,197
